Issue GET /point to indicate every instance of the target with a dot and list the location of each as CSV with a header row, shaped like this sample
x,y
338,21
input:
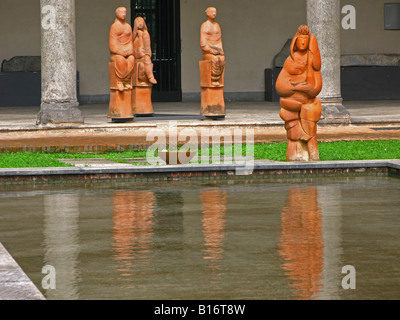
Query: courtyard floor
x,y
370,120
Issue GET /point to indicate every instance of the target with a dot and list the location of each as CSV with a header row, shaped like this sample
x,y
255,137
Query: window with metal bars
x,y
163,22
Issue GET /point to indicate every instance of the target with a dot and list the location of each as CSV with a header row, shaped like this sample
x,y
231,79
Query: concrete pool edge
x,y
14,283
394,168
176,172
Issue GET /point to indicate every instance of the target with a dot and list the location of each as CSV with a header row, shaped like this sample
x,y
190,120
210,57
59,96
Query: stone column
x,y
59,93
323,18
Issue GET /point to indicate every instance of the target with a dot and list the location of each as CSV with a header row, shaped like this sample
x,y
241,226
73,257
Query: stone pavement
x,y
369,120
14,283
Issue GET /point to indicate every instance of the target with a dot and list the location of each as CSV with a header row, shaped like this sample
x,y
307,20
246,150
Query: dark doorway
x,y
163,22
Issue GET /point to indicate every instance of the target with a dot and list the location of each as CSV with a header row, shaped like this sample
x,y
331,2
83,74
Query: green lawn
x,y
343,150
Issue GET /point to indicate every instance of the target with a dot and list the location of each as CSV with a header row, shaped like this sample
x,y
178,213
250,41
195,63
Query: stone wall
x,y
254,31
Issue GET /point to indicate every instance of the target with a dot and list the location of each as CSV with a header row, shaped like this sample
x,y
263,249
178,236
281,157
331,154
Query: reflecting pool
x,y
247,239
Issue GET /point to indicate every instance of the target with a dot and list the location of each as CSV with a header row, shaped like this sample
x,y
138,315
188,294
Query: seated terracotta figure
x,y
298,84
121,49
211,45
142,51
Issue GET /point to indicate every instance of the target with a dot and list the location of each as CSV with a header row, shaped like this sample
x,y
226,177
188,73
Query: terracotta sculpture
x,y
298,84
142,50
212,67
143,78
121,68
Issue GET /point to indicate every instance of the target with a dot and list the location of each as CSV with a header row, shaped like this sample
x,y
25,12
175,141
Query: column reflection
x,y
329,196
214,204
301,244
133,217
62,248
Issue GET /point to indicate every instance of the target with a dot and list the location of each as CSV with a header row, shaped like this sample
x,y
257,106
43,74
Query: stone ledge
x,y
14,283
347,60
369,60
259,165
240,174
394,168
22,64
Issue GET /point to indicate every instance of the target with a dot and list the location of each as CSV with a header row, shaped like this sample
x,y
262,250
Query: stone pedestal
x,y
141,94
212,96
212,102
141,101
120,108
323,18
59,103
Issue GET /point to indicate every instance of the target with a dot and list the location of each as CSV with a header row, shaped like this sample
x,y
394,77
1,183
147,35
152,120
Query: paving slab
x,y
186,113
370,120
14,283
96,162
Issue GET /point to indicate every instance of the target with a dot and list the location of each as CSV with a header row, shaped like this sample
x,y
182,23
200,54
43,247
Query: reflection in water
x,y
133,214
169,221
331,204
61,234
301,243
359,219
214,202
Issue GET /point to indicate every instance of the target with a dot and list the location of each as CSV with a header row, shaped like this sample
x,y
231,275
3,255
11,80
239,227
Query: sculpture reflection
x,y
301,243
133,217
214,203
298,84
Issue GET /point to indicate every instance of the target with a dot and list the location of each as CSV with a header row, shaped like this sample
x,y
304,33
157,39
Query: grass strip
x,y
343,150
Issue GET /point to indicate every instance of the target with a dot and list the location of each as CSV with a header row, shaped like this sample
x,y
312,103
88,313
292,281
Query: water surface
x,y
255,239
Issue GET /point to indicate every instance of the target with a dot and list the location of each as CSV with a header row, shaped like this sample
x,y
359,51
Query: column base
x,y
333,111
59,113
